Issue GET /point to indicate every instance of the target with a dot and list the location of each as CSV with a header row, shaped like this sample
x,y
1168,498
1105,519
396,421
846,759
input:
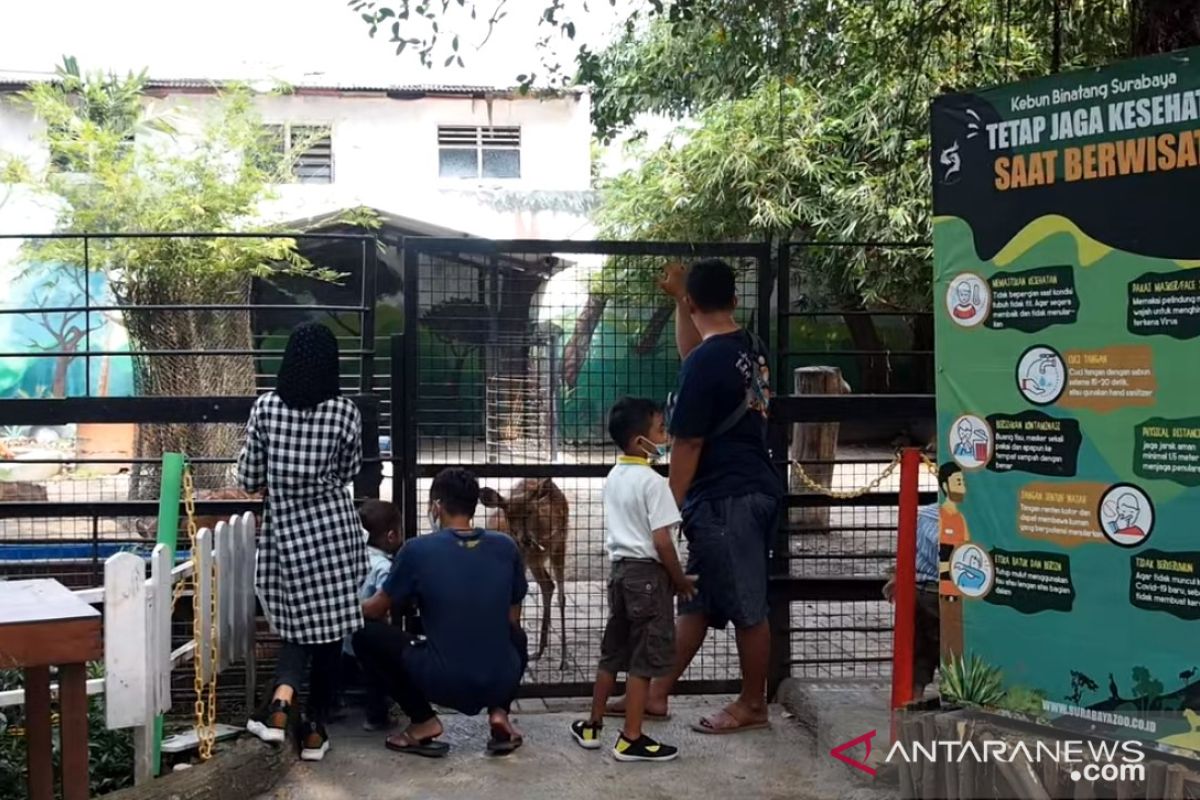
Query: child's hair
x,y
379,518
629,418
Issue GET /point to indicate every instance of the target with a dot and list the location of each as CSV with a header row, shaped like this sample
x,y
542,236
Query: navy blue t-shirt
x,y
723,372
463,585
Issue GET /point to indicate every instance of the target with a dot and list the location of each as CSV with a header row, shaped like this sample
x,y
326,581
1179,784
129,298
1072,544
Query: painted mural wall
x,y
34,332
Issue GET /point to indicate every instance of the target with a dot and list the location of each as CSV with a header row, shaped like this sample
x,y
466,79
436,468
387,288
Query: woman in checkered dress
x,y
303,446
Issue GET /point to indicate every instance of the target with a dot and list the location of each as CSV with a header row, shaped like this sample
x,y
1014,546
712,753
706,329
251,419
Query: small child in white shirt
x,y
639,638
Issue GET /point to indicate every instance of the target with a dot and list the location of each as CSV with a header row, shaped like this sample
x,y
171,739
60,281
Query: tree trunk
x,y
190,376
814,447
875,372
654,330
62,367
1160,26
576,351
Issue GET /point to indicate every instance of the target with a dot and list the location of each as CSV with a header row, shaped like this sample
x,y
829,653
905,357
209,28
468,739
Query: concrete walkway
x,y
773,765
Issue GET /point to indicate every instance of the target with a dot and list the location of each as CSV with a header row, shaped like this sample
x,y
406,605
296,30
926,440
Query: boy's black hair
x,y
457,490
946,472
711,285
379,518
629,418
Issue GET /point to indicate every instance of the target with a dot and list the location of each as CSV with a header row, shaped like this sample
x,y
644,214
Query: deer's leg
x,y
542,575
558,561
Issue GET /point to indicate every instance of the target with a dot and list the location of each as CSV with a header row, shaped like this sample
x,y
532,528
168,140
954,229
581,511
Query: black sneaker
x,y
587,733
271,726
377,724
314,742
643,749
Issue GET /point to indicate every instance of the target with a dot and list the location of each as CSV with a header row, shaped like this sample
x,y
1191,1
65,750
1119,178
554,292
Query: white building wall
x,y
385,155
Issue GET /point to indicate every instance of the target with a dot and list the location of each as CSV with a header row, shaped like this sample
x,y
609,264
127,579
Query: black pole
x,y
1056,55
398,429
408,380
87,322
370,267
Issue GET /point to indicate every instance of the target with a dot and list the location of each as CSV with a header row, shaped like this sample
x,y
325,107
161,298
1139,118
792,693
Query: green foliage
x,y
832,177
974,682
120,166
814,126
1023,700
110,753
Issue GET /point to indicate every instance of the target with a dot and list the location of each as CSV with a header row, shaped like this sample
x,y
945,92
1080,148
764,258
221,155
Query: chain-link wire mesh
x,y
839,335
520,350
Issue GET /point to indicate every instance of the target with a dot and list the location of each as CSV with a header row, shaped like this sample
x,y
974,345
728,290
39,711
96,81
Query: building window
x,y
308,150
474,153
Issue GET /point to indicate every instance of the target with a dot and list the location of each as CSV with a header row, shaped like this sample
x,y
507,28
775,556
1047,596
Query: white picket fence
x,y
138,657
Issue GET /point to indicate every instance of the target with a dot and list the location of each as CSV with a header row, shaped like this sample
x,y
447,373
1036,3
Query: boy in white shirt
x,y
639,638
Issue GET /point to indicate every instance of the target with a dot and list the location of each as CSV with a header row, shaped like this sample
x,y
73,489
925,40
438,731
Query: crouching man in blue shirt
x,y
467,584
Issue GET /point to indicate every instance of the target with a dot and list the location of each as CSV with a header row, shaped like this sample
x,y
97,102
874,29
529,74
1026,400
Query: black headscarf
x,y
308,375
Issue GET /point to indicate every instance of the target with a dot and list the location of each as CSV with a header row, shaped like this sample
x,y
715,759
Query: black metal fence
x,y
504,358
83,480
830,619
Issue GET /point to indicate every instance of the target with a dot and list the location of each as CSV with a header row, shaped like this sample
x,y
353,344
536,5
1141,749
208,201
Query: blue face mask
x,y
654,451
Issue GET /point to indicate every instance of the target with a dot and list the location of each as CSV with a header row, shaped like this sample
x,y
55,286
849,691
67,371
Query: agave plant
x,y
971,681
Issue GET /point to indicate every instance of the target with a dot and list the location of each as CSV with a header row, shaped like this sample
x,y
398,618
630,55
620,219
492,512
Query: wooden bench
x,y
42,624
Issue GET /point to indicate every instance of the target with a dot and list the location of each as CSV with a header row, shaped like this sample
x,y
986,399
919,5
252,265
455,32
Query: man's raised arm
x,y
673,283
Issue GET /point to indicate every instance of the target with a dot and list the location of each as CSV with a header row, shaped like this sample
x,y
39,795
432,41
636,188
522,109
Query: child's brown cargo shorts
x,y
639,637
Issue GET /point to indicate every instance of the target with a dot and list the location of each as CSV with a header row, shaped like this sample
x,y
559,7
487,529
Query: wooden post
x,y
222,542
814,442
1175,781
37,733
202,558
249,607
73,724
929,769
128,682
161,601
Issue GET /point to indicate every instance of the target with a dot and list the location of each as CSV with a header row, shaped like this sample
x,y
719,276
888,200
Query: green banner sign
x,y
1067,300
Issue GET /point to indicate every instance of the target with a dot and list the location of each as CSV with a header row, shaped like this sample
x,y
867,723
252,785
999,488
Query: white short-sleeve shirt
x,y
637,502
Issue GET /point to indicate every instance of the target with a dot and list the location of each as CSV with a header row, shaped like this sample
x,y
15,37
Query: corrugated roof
x,y
15,82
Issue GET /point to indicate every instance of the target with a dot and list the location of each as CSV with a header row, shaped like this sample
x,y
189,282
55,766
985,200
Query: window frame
x,y
485,138
288,130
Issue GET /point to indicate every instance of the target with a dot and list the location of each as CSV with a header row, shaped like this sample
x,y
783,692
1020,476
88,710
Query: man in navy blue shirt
x,y
467,584
727,488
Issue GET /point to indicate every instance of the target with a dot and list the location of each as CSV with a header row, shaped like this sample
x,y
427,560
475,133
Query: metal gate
x,y
512,353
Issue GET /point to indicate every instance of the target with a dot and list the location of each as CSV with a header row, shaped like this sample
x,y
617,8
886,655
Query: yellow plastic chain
x,y
206,691
849,494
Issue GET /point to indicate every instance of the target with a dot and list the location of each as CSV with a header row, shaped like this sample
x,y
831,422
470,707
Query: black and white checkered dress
x,y
311,553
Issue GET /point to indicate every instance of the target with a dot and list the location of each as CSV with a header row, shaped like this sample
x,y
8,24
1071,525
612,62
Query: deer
x,y
535,515
147,527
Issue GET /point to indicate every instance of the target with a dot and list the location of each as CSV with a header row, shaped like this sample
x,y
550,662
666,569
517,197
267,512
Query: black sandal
x,y
503,743
426,748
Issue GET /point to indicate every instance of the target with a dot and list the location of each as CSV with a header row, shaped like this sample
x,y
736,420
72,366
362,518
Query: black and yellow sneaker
x,y
643,749
587,733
